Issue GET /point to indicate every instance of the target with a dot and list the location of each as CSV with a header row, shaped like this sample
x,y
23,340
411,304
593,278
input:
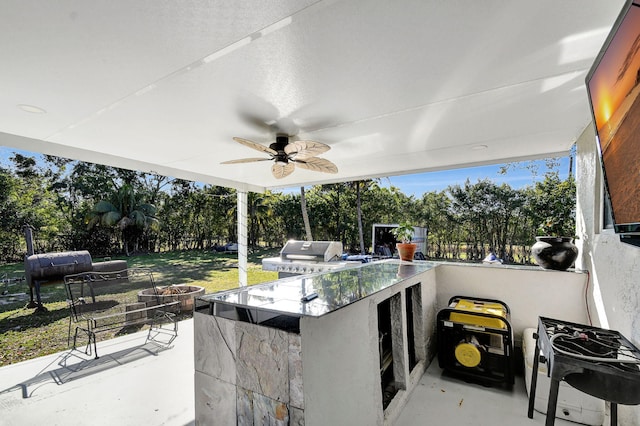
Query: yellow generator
x,y
475,340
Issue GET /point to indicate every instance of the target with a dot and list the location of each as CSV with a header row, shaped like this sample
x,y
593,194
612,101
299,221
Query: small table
x,y
599,362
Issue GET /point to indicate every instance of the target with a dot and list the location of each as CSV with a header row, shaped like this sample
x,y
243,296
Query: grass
x,y
25,334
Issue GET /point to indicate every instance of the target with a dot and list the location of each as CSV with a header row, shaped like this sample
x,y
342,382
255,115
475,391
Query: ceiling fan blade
x,y
302,150
317,165
256,146
257,112
245,160
281,170
286,125
257,123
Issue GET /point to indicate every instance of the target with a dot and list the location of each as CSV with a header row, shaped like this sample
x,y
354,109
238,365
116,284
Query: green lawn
x,y
25,334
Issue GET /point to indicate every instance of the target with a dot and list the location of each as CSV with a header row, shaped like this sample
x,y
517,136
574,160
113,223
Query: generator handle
x,y
508,328
478,299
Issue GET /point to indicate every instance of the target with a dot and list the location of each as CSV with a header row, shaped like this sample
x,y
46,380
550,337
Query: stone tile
x,y
262,360
418,323
397,339
269,412
214,346
296,389
215,401
296,417
244,407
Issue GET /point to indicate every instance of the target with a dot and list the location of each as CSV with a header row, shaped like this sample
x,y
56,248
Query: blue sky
x,y
417,184
516,177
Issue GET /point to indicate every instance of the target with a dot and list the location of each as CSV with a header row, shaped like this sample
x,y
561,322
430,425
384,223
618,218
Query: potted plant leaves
x,y
404,234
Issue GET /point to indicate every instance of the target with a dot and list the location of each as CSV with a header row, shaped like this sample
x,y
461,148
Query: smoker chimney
x,y
28,236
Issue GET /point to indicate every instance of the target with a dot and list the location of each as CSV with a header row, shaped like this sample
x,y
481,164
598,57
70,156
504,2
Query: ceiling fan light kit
x,y
287,154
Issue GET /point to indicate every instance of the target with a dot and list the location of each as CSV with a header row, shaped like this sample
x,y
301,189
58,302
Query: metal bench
x,y
102,301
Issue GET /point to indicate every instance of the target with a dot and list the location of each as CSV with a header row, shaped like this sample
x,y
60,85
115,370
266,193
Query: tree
x,y
9,238
359,210
258,211
363,188
36,205
287,221
59,199
487,212
435,212
128,213
305,215
552,206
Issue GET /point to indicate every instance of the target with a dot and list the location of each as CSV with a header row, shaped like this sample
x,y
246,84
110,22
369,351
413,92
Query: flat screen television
x,y
613,86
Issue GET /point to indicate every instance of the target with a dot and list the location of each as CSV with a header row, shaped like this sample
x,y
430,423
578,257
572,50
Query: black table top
x,y
334,289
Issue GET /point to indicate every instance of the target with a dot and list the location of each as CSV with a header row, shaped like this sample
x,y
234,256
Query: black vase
x,y
556,253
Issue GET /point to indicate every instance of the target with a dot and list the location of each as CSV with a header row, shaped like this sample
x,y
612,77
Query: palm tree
x,y
359,212
259,212
127,213
305,214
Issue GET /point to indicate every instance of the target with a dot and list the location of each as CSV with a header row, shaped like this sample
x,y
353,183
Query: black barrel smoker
x,y
50,268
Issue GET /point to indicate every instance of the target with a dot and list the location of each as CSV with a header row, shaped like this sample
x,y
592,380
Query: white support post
x,y
242,238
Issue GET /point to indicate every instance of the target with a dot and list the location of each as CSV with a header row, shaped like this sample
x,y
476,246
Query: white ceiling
x,y
393,87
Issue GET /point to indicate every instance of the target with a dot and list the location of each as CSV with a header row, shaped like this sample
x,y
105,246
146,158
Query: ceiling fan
x,y
287,154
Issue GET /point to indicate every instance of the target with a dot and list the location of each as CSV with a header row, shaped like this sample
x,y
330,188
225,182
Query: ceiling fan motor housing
x,y
282,157
278,145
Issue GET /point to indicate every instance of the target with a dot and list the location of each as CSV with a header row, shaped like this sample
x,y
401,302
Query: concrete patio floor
x,y
133,383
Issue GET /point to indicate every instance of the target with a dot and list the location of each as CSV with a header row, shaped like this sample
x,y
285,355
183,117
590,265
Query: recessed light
x,y
479,147
32,109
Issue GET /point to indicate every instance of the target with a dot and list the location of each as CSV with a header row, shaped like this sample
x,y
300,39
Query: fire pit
x,y
180,292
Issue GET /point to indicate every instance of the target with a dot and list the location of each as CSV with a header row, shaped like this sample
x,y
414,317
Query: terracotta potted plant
x,y
403,234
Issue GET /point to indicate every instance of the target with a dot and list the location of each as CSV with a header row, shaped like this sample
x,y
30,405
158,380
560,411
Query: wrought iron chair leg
x,y
95,345
75,338
69,332
157,326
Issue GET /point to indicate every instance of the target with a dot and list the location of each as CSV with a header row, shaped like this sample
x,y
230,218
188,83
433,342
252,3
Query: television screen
x,y
613,85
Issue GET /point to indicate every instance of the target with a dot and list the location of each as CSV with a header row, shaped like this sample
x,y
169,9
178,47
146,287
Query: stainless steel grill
x,y
307,257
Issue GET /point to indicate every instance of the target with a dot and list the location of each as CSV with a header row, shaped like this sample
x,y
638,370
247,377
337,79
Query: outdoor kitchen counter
x,y
263,352
327,292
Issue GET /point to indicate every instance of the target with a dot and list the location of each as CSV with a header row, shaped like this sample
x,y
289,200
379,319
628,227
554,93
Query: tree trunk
x,y
305,215
359,207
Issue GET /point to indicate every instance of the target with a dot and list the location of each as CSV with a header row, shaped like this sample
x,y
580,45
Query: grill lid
x,y
312,251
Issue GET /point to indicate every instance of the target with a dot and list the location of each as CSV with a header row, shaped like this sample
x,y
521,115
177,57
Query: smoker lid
x,y
48,260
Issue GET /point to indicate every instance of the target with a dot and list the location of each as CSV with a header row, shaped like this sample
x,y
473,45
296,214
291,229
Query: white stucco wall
x,y
614,266
341,363
529,292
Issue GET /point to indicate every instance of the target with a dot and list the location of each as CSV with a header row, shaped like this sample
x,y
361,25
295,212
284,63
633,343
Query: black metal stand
x,y
604,380
630,239
38,303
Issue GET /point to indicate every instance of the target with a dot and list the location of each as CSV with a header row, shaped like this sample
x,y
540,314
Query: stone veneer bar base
x,y
254,376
